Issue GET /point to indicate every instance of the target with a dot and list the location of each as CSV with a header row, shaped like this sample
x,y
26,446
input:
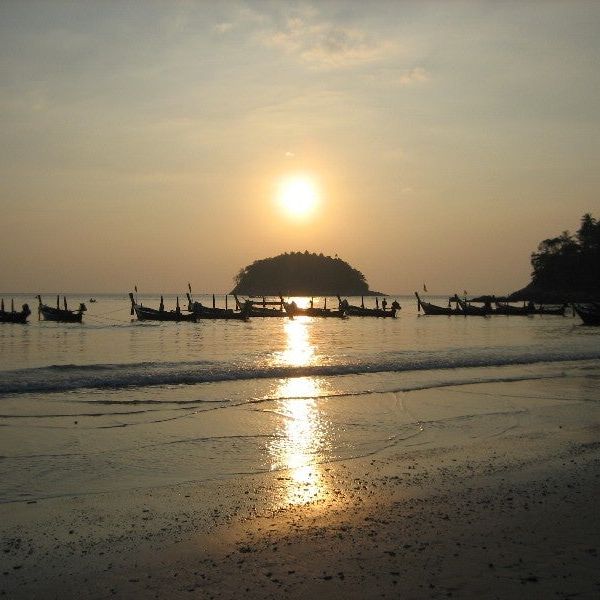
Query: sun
x,y
298,195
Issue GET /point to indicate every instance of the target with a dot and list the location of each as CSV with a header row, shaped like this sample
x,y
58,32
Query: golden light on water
x,y
298,196
299,352
300,444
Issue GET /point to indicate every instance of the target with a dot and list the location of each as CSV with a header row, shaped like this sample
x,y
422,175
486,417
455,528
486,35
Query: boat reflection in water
x,y
300,444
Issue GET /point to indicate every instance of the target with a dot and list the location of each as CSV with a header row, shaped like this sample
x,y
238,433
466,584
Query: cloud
x,y
414,76
323,45
223,27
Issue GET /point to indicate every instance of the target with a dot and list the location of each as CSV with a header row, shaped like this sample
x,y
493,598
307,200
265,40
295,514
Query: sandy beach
x,y
501,503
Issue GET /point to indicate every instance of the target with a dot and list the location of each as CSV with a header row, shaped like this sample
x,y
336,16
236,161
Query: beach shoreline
x,y
451,514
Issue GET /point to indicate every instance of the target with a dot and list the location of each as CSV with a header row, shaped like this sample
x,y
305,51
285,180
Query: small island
x,y
301,274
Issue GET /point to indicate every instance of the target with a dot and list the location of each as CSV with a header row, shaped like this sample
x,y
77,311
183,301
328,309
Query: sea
x,y
114,404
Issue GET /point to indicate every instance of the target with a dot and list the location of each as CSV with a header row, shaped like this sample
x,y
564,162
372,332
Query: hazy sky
x,y
143,142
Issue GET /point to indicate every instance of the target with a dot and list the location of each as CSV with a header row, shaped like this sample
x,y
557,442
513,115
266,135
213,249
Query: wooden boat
x,y
293,310
433,309
589,312
61,315
503,308
262,308
362,311
549,310
466,309
14,316
206,312
143,313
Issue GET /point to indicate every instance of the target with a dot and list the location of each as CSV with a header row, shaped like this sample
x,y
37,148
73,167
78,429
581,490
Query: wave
x,y
66,378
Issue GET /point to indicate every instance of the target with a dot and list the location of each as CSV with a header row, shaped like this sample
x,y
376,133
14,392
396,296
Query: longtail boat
x,y
466,309
293,310
14,316
589,312
144,313
261,308
550,310
434,309
207,312
61,315
503,308
362,311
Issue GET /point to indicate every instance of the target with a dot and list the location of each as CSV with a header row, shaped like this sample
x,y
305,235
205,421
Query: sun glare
x,y
298,196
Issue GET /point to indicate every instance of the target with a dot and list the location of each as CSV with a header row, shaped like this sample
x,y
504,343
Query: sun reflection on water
x,y
299,352
302,440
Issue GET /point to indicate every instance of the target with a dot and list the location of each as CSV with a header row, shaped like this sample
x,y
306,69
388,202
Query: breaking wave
x,y
71,377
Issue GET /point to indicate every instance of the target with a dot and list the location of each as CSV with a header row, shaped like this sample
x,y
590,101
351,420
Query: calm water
x,y
114,404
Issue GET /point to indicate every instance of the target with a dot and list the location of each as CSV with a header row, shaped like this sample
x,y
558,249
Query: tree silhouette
x,y
300,274
569,262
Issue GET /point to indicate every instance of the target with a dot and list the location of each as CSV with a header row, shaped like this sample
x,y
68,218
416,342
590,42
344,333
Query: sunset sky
x,y
147,142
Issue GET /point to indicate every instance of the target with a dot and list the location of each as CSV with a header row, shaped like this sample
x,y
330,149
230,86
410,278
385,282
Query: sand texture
x,y
502,503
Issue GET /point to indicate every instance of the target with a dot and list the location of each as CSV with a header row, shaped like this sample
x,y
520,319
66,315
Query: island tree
x,y
568,265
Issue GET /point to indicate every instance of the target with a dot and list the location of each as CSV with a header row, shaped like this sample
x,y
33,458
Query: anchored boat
x,y
144,313
61,315
12,315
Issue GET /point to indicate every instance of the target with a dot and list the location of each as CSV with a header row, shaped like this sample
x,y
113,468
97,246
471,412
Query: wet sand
x,y
501,504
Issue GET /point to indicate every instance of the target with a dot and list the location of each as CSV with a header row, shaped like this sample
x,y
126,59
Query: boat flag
x,y
424,288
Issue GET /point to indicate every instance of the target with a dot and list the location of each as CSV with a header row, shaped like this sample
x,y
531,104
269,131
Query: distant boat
x,y
261,308
92,300
466,309
589,312
503,308
14,316
362,311
144,313
62,315
201,311
293,310
434,309
550,310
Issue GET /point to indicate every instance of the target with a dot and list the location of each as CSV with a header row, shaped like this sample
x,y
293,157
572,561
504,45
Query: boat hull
x,y
295,311
589,313
59,315
151,314
13,317
516,311
359,311
206,312
433,309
